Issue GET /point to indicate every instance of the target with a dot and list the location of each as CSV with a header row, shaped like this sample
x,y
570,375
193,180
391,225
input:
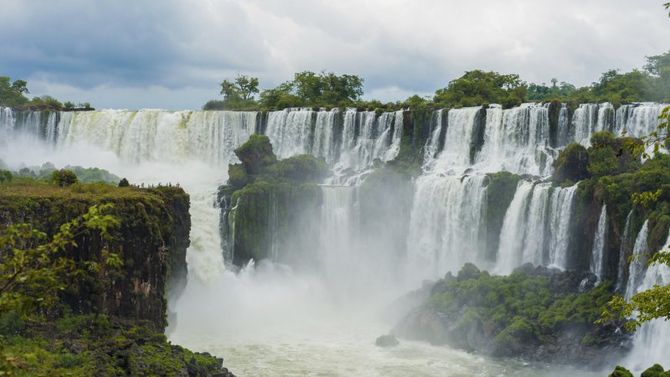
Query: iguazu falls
x,y
176,201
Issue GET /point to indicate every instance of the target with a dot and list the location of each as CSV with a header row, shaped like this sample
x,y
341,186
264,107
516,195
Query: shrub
x,y
64,177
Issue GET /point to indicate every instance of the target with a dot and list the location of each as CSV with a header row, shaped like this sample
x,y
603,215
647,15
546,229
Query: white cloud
x,y
173,53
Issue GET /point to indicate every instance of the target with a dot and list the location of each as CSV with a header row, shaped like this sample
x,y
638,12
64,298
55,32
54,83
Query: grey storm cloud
x,y
172,53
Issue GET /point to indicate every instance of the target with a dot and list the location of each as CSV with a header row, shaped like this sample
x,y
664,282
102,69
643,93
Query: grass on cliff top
x,y
27,187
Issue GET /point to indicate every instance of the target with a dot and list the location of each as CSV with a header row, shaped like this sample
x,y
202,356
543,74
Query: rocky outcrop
x,y
267,204
151,241
537,314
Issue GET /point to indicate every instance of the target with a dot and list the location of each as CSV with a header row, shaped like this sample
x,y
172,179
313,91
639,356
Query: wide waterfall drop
x,y
516,140
271,317
598,250
651,343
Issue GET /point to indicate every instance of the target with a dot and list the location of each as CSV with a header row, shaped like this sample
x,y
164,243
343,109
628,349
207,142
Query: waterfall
x,y
432,146
651,343
563,136
623,251
445,225
366,137
605,117
598,250
513,229
583,122
536,227
290,131
156,135
516,140
562,202
324,135
639,261
638,119
455,155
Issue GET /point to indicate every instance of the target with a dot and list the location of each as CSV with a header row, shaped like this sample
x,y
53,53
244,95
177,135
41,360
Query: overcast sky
x,y
173,53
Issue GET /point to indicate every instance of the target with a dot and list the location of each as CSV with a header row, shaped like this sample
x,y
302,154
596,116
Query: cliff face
x,y
151,241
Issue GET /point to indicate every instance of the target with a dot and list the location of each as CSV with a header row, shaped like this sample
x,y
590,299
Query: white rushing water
x,y
598,249
638,262
269,319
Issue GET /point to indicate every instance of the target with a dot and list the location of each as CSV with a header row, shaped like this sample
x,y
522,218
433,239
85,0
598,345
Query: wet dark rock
x,y
387,341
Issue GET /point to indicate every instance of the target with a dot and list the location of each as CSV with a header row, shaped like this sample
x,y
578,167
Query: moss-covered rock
x,y
267,204
572,164
655,370
256,153
620,371
534,313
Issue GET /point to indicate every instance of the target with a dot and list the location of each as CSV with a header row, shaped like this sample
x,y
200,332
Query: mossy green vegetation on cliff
x,y
86,268
96,345
266,198
535,313
610,172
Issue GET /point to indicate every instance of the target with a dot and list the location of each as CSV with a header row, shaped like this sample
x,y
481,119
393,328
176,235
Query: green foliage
x,y
237,94
301,168
520,308
541,92
64,177
325,89
11,94
477,87
34,270
571,164
620,371
97,345
609,155
124,183
5,176
620,88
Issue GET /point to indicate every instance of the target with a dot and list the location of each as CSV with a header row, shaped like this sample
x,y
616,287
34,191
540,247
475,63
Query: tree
x,y
11,93
307,88
239,93
20,86
478,87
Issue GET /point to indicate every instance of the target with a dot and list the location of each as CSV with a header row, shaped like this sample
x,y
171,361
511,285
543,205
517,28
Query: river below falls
x,y
270,323
351,352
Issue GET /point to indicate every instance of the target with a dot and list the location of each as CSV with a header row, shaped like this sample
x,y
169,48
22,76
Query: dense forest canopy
x,y
476,87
